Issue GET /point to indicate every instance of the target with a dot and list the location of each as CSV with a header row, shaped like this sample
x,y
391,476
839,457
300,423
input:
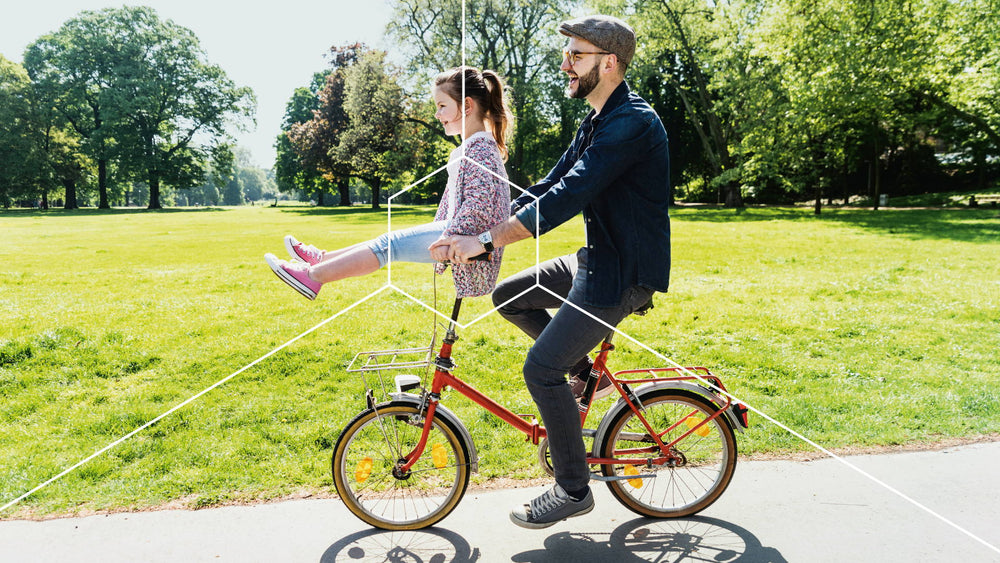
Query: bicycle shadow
x,y
431,545
669,541
684,540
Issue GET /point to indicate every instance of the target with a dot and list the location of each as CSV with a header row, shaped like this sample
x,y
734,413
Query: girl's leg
x,y
407,245
331,254
349,262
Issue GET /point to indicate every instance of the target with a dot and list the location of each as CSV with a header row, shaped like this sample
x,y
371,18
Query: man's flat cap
x,y
609,33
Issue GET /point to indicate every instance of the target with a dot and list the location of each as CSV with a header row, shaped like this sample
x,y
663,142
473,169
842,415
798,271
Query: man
x,y
617,172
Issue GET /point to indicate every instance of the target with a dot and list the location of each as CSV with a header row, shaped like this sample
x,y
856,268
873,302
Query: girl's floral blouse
x,y
476,199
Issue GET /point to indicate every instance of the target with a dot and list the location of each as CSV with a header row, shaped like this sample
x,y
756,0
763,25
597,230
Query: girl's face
x,y
448,112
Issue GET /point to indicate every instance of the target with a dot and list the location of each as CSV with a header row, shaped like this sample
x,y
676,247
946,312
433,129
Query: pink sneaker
x,y
305,252
294,274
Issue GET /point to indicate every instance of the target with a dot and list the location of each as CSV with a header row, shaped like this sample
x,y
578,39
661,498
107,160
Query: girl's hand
x,y
460,248
439,252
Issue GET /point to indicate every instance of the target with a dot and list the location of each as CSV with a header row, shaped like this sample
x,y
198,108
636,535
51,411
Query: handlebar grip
x,y
479,257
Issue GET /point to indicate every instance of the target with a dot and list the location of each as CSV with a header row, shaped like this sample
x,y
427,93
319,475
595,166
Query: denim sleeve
x,y
615,146
551,179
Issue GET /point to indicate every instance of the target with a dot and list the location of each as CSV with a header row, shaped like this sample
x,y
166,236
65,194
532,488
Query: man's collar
x,y
617,98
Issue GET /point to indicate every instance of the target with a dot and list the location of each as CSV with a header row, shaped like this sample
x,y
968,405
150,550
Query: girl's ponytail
x,y
487,88
497,110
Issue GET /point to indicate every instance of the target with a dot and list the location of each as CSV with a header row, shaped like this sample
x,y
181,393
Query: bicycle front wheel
x,y
705,464
367,477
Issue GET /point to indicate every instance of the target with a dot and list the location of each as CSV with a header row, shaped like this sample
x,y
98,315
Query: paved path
x,y
773,511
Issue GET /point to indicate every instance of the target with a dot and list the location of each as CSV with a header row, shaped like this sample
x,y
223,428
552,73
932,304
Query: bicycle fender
x,y
645,390
450,418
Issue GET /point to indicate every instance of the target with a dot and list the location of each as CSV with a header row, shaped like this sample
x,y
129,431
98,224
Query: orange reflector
x,y
693,421
364,470
631,470
439,456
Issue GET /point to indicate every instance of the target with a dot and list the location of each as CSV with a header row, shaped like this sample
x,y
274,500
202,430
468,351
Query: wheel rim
x,y
369,480
703,470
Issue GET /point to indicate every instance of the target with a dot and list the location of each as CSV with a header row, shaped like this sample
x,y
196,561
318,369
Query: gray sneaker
x,y
553,506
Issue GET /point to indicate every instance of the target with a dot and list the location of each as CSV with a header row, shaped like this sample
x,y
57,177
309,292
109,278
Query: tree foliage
x,y
314,138
370,143
140,91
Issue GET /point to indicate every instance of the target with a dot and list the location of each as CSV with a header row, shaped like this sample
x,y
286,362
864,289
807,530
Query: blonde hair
x,y
487,89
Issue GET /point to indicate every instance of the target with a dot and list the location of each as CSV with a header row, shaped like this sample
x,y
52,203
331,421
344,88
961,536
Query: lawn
x,y
855,328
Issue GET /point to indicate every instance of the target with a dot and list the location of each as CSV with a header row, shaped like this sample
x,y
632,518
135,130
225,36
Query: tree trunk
x,y
70,186
45,201
734,196
102,183
878,172
376,192
319,197
819,199
154,191
344,187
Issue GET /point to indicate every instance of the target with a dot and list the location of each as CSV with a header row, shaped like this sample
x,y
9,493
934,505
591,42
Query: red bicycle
x,y
666,449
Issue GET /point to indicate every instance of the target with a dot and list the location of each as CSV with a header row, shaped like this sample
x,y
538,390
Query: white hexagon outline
x,y
401,291
537,284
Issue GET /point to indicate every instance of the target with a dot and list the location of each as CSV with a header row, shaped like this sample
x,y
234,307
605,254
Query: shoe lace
x,y
546,503
310,250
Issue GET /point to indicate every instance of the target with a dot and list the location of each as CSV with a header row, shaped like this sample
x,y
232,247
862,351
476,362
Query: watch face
x,y
486,240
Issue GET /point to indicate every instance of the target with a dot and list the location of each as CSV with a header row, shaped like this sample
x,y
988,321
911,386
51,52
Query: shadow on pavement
x,y
688,540
668,541
433,545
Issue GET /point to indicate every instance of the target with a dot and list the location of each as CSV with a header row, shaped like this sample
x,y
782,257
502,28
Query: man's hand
x,y
458,249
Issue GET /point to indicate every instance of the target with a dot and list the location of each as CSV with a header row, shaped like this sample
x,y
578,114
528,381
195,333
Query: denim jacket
x,y
617,171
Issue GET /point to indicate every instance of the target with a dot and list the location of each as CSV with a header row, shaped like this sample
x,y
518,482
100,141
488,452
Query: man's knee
x,y
505,291
539,374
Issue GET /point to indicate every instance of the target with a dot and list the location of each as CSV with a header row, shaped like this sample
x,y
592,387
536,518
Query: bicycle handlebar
x,y
479,258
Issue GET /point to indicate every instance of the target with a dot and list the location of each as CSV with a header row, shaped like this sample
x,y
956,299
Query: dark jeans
x,y
562,342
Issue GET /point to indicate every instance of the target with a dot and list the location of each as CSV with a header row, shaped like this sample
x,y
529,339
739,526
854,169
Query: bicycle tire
x,y
366,454
685,489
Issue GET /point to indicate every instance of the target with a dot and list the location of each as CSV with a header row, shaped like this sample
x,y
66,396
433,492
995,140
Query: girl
x,y
477,197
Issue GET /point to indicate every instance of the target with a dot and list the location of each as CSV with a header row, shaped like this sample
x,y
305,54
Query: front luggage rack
x,y
382,360
406,360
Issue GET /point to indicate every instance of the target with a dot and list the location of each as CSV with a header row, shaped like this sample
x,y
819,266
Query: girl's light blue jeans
x,y
407,245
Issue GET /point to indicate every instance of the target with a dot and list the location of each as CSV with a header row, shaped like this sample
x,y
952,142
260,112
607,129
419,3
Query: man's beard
x,y
585,84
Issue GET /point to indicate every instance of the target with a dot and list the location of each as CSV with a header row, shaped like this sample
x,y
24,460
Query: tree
x,y
38,153
374,104
138,89
166,93
847,68
20,160
291,173
313,139
72,69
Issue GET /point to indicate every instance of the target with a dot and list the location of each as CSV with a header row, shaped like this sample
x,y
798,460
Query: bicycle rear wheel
x,y
367,479
708,456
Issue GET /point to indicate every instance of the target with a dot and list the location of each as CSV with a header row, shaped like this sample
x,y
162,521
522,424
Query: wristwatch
x,y
486,239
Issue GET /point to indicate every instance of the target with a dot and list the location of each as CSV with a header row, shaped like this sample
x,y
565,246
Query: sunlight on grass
x,y
854,328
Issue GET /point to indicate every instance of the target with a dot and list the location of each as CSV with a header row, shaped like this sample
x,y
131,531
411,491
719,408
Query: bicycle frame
x,y
528,425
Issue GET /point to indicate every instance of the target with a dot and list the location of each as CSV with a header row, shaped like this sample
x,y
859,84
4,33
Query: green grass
x,y
854,328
